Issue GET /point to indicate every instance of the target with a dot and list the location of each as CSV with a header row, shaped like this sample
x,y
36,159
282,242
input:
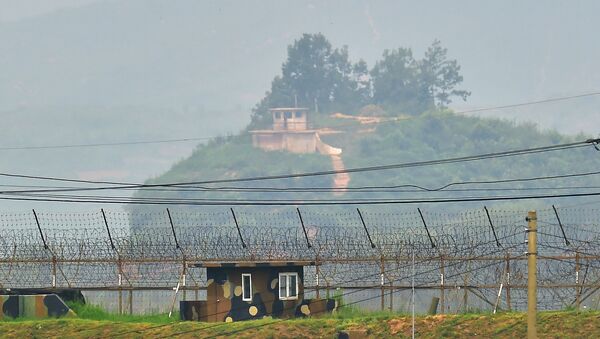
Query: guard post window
x,y
246,287
288,286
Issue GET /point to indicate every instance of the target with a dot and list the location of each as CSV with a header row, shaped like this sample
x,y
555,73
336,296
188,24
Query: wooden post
x,y
442,292
53,271
382,282
184,279
531,275
130,301
577,289
508,306
318,271
391,294
120,283
466,288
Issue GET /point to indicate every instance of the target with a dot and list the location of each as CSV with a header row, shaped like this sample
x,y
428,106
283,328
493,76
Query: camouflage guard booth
x,y
252,290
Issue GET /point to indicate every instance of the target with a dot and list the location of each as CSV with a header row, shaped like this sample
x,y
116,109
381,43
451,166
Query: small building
x,y
252,290
290,119
290,133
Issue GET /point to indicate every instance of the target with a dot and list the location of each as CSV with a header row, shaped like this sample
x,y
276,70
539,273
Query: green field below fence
x,y
95,323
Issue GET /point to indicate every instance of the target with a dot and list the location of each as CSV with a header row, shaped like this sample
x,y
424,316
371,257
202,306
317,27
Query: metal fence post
x,y
531,275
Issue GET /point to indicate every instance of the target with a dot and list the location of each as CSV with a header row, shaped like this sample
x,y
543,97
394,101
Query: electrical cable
x,y
535,150
281,202
143,142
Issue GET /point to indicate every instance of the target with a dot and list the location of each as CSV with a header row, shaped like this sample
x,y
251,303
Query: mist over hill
x,y
110,71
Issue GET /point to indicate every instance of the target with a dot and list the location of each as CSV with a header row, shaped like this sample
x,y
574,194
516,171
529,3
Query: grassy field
x,y
95,323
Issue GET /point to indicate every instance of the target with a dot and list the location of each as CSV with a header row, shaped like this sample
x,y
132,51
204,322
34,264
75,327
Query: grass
x,y
93,312
92,321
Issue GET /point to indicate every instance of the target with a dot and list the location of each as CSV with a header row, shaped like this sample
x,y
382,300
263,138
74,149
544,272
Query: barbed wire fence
x,y
469,260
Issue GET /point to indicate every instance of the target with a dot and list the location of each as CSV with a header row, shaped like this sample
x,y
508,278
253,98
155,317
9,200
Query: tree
x,y
396,84
440,76
413,86
316,73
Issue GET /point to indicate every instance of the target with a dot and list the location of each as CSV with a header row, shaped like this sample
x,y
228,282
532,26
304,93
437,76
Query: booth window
x,y
288,286
246,287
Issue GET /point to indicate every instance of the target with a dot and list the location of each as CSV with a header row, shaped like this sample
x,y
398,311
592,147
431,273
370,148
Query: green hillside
x,y
407,98
428,136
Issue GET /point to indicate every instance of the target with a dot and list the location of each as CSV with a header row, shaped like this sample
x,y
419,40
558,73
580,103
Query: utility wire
x,y
494,155
281,202
378,189
163,141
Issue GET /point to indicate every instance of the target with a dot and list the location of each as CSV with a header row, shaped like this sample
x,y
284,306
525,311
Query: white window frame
x,y
286,276
249,275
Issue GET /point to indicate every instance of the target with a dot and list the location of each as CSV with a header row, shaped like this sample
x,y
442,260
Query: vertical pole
x,y
53,271
391,295
577,290
130,301
442,291
382,284
413,292
466,291
508,306
183,280
531,274
318,271
120,287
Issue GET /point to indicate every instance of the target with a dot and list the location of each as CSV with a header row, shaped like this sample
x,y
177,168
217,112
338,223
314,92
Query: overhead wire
x,y
282,202
542,149
162,141
372,188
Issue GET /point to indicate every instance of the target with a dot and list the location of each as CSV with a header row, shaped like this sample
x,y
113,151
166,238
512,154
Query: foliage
x,y
432,135
321,77
316,75
414,86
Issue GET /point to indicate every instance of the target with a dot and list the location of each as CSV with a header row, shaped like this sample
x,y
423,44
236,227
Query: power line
x,y
313,202
494,155
122,143
163,141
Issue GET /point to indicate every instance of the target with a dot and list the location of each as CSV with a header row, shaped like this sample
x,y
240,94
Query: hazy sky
x,y
14,10
86,71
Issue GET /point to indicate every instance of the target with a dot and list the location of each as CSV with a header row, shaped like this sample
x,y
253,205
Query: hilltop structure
x,y
291,133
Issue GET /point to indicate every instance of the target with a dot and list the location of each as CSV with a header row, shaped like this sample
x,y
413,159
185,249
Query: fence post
x,y
120,282
442,291
531,274
53,271
183,279
382,283
318,271
466,289
508,306
577,290
130,301
391,294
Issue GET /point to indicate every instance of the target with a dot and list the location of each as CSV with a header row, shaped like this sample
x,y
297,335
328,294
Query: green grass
x,y
93,321
93,312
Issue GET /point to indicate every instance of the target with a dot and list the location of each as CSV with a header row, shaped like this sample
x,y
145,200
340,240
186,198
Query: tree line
x,y
323,78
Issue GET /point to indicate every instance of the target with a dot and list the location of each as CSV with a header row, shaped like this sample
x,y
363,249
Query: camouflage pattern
x,y
33,306
224,295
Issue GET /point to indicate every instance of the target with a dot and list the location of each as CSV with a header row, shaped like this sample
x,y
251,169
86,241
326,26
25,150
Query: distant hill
x,y
433,135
